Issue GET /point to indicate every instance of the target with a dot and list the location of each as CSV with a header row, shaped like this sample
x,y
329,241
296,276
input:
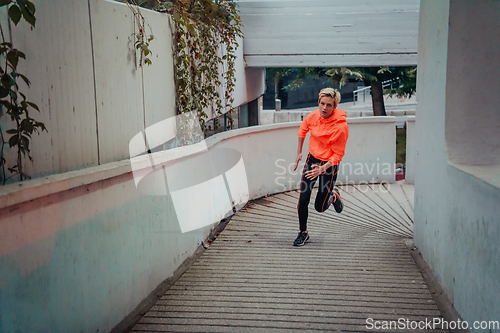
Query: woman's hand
x,y
314,172
297,160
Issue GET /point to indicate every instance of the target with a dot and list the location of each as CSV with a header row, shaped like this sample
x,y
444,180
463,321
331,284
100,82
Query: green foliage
x,y
404,78
338,75
20,8
401,145
405,82
142,44
142,39
342,75
277,74
16,106
301,74
205,33
205,37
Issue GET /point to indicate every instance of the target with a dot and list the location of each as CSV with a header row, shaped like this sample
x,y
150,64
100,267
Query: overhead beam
x,y
291,33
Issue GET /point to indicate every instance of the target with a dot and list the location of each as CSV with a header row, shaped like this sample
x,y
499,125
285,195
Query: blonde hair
x,y
330,92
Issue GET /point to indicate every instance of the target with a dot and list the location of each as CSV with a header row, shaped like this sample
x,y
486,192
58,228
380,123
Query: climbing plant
x,y
13,102
205,35
141,38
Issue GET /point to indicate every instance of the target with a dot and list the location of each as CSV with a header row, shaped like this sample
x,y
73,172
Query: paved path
x,y
251,279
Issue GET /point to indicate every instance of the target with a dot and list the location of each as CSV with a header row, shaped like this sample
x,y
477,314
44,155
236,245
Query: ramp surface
x,y
354,271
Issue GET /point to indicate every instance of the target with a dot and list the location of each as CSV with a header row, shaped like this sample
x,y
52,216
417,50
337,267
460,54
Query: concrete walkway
x,y
355,267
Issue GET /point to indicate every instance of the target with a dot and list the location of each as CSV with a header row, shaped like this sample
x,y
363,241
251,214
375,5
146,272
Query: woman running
x,y
327,142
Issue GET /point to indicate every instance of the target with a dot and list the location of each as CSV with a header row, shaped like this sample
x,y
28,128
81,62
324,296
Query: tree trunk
x,y
378,98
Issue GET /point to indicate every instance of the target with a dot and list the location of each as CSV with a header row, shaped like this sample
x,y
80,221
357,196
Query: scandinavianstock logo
x,y
204,183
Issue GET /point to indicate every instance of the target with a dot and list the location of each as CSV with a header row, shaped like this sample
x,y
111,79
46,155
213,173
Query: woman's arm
x,y
338,144
317,170
299,153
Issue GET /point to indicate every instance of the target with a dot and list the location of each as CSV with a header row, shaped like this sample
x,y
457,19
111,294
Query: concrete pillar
x,y
253,112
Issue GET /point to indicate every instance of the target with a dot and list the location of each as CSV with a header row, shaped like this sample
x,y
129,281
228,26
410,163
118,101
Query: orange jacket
x,y
328,136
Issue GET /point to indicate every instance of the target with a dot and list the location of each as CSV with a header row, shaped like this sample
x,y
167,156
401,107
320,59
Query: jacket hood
x,y
338,116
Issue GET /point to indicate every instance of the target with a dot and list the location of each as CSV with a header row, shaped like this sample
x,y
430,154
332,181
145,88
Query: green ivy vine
x,y
12,101
205,34
142,39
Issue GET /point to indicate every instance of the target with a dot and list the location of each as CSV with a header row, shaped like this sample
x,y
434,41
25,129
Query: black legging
x,y
325,194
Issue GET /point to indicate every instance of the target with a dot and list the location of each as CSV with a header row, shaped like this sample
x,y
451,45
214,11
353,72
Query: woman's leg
x,y
325,195
306,186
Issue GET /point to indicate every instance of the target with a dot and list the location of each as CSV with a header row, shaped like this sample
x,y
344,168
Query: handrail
x,y
364,89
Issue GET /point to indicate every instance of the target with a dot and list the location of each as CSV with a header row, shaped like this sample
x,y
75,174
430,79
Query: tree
x,y
277,74
406,82
301,74
373,77
403,78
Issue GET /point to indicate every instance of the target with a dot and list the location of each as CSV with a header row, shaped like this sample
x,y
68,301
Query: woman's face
x,y
326,106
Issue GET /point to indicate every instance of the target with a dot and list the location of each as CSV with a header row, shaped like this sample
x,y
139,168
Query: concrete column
x,y
253,112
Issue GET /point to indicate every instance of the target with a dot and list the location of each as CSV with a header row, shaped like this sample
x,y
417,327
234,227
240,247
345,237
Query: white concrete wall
x,y
272,116
370,150
80,250
83,257
60,67
251,81
370,154
92,95
269,156
472,109
319,33
473,113
410,150
456,213
128,98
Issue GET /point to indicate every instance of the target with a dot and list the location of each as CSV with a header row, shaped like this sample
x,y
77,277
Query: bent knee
x,y
320,207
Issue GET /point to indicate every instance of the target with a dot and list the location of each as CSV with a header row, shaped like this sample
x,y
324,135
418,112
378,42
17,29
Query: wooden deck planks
x,y
251,279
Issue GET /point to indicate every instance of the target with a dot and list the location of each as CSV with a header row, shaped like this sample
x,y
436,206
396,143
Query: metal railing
x,y
364,90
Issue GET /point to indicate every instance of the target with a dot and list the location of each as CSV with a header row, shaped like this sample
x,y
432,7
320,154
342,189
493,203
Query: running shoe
x,y
301,239
337,201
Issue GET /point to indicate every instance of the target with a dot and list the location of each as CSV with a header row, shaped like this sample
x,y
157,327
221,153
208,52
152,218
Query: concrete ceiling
x,y
317,33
